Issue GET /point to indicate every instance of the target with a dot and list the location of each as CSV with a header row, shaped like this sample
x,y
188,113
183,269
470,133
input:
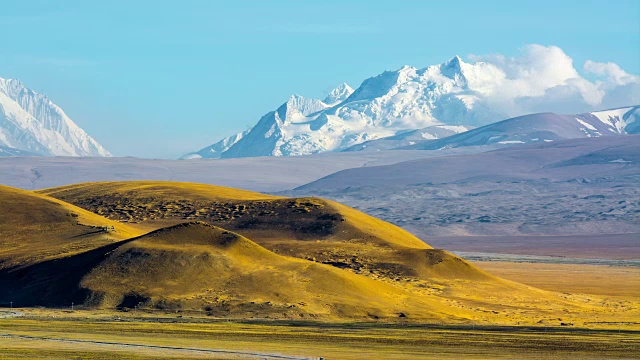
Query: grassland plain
x,y
621,282
101,334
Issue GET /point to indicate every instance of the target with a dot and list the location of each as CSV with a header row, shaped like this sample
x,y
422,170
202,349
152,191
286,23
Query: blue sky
x,y
162,78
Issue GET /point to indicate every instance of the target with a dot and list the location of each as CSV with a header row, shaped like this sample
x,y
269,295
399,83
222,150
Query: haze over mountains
x,y
31,124
569,187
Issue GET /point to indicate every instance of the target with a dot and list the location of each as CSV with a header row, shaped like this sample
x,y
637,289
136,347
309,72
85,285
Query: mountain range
x,y
408,107
386,105
31,124
437,107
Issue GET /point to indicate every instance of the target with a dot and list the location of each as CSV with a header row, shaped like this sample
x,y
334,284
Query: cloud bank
x,y
544,78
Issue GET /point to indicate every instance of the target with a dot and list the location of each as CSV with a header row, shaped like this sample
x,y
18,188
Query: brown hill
x,y
195,265
308,228
199,266
36,228
387,272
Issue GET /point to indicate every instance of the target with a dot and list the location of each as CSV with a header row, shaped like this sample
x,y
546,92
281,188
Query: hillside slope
x,y
306,228
557,161
195,265
35,228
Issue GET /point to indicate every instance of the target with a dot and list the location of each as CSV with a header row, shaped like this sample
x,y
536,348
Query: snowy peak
x,y
453,65
454,69
215,151
384,105
380,85
298,106
339,94
455,61
445,98
30,122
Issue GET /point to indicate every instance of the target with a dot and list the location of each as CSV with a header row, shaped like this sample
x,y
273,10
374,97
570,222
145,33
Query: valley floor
x,y
62,334
621,282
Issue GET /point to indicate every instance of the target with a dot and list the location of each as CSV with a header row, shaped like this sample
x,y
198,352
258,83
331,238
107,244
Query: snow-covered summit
x,y
453,93
339,94
30,122
295,110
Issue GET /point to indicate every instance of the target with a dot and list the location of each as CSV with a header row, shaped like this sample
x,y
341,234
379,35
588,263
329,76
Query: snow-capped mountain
x,y
31,123
386,105
338,95
266,138
214,151
543,127
399,106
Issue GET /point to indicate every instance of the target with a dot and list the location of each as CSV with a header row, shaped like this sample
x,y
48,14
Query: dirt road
x,y
214,352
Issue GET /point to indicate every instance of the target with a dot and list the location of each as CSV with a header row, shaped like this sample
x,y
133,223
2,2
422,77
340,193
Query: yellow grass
x,y
35,228
623,282
307,228
142,188
271,257
339,341
197,266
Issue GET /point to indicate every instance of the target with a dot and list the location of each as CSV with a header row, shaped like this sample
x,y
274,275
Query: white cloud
x,y
611,72
544,78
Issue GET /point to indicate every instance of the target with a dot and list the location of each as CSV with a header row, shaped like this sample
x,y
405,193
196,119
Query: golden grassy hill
x,y
36,228
199,266
196,265
308,228
385,270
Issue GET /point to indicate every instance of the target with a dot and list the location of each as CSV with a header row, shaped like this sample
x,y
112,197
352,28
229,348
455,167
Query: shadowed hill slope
x,y
196,265
199,266
309,228
35,228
